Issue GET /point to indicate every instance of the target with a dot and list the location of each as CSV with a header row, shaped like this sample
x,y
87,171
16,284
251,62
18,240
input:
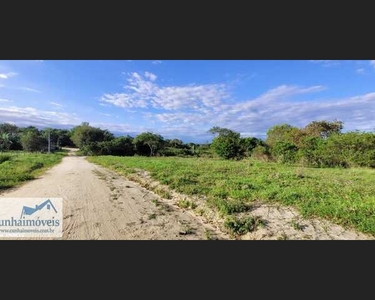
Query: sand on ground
x,y
100,204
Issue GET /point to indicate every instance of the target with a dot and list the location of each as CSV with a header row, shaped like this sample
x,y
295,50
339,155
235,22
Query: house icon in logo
x,y
31,210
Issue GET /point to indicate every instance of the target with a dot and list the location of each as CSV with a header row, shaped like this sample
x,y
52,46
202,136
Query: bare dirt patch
x,y
99,204
278,222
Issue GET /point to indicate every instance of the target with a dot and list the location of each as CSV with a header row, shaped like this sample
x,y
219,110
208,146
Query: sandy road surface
x,y
99,204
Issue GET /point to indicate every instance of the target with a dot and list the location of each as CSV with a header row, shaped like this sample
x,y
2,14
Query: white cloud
x,y
129,60
144,93
360,71
56,104
251,118
157,62
121,128
254,117
107,115
150,76
39,60
123,100
372,62
5,100
189,111
26,116
7,75
29,89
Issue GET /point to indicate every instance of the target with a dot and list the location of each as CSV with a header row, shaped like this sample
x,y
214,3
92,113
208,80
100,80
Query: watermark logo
x,y
30,217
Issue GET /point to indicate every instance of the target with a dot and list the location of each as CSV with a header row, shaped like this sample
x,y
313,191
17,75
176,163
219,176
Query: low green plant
x,y
4,158
152,216
343,196
243,225
18,166
186,204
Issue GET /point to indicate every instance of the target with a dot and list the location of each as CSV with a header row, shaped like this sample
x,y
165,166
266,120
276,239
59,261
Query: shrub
x,y
248,144
32,141
284,152
4,158
121,146
170,151
261,153
227,143
240,226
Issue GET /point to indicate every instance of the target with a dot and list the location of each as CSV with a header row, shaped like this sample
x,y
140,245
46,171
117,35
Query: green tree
x,y
176,143
248,144
64,139
121,146
12,139
5,141
85,134
284,152
32,141
227,143
323,129
281,133
148,143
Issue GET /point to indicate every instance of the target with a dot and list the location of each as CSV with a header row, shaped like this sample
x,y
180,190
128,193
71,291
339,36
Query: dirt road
x,y
99,204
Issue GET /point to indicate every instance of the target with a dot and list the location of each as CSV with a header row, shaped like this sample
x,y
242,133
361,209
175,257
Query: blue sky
x,y
184,99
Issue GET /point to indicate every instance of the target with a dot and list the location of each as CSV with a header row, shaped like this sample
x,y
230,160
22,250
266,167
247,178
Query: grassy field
x,y
17,166
344,196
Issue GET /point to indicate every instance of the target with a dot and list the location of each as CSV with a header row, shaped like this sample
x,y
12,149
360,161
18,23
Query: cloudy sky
x,y
184,99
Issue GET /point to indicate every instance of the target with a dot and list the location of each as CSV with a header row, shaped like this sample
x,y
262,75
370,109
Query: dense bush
x,y
227,143
352,149
32,141
9,137
318,144
282,133
261,153
248,144
148,143
84,135
4,158
121,146
285,152
170,151
322,144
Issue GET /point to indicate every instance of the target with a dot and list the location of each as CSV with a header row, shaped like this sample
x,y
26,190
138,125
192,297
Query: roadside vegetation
x,y
319,144
17,166
344,196
24,152
319,169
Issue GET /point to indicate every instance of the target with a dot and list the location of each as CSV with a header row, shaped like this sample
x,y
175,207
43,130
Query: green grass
x,y
17,166
240,226
186,204
344,196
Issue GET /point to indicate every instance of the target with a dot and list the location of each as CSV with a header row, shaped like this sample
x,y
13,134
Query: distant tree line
x,y
95,141
32,139
319,144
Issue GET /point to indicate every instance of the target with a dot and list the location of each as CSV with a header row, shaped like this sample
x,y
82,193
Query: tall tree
x,y
227,143
31,140
5,141
281,133
323,129
85,134
154,142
